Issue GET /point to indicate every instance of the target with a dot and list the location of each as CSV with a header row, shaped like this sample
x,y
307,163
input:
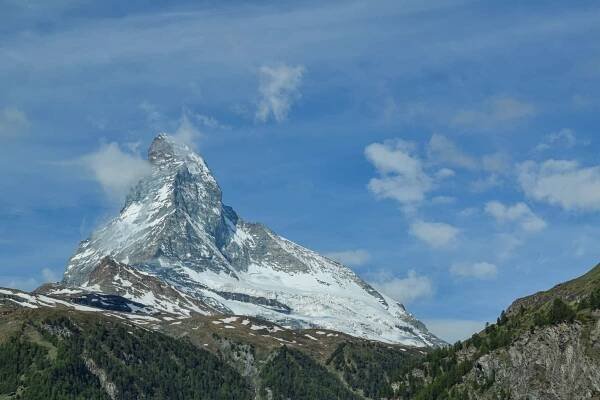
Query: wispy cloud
x,y
497,163
405,290
154,118
353,258
13,122
50,275
279,88
210,122
563,139
441,150
519,213
188,127
495,110
498,168
187,132
434,234
479,270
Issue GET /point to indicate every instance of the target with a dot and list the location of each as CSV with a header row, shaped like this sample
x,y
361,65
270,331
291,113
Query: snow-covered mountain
x,y
176,246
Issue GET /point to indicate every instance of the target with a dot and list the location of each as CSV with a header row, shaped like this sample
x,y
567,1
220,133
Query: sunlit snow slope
x,y
175,227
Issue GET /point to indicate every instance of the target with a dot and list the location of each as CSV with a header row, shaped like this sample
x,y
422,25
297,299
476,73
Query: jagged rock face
x,y
173,215
555,362
175,227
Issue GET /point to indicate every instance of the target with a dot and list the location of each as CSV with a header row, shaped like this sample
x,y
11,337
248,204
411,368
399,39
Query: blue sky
x,y
448,151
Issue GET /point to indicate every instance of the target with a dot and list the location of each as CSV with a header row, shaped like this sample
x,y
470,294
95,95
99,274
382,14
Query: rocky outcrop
x,y
551,363
109,387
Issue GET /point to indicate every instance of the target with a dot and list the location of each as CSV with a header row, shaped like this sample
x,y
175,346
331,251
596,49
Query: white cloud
x,y
402,177
564,139
404,290
480,270
117,171
441,150
350,257
210,122
435,234
562,183
49,275
278,89
187,123
445,173
453,330
13,122
187,133
495,110
520,213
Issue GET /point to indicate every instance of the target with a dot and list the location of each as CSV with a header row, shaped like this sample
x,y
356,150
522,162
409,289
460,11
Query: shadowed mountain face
x,y
175,228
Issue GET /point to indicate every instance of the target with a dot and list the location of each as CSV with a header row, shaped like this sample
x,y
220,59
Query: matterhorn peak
x,y
168,151
164,148
175,228
167,148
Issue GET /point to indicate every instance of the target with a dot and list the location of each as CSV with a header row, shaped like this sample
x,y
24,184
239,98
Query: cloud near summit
x,y
115,170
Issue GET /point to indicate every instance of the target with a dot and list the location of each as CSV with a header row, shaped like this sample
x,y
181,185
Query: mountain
x,y
176,247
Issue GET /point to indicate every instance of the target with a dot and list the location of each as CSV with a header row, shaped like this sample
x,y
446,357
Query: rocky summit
x,y
176,247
